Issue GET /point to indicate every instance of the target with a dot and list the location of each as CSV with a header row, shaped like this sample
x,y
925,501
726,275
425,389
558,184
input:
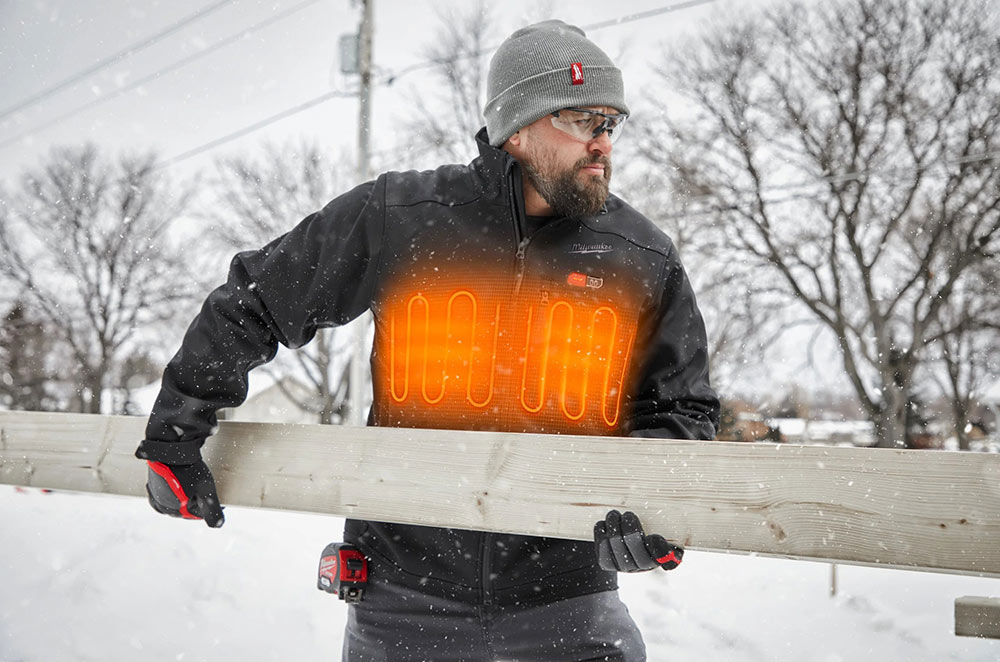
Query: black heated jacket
x,y
483,321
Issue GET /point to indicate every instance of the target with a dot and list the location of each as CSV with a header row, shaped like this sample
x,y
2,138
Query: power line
x,y
160,72
629,18
252,127
111,59
647,14
331,95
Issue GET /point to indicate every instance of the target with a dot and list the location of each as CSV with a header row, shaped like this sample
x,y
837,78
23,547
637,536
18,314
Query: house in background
x,y
990,399
828,432
742,421
271,400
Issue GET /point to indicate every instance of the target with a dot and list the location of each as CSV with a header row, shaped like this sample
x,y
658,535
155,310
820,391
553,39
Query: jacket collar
x,y
494,165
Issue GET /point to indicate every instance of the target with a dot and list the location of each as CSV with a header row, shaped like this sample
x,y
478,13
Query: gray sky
x,y
289,62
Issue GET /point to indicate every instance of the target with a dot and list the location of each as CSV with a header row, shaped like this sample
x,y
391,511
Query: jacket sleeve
x,y
674,398
320,274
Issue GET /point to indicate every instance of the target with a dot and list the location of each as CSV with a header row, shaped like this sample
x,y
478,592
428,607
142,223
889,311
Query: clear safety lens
x,y
586,125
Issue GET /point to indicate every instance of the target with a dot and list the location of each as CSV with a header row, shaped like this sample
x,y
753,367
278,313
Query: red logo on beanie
x,y
576,71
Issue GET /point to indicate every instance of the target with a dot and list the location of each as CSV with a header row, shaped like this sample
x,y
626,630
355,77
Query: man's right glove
x,y
180,484
622,545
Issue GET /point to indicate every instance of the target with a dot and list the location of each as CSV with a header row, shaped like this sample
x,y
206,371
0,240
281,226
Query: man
x,y
511,294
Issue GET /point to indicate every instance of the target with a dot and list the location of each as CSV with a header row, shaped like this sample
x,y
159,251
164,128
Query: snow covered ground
x,y
86,577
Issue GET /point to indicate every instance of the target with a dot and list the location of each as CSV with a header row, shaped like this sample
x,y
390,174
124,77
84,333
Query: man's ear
x,y
513,145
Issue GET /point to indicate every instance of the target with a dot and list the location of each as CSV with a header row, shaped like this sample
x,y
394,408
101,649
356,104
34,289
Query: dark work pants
x,y
395,624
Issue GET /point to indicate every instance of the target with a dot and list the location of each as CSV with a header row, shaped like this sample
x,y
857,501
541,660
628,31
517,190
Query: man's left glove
x,y
622,545
180,484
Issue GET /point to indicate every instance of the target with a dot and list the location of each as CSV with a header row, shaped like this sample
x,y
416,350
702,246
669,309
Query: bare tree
x,y
966,351
260,199
740,312
851,150
442,119
29,362
86,242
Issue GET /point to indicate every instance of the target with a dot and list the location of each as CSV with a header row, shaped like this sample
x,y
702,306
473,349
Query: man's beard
x,y
566,194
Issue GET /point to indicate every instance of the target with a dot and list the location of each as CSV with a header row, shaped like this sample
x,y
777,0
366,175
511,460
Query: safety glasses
x,y
586,125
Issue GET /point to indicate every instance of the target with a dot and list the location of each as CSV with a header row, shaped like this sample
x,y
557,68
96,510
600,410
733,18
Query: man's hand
x,y
184,487
622,545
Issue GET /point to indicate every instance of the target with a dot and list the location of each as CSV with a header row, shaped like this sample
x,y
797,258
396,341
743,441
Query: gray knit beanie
x,y
542,68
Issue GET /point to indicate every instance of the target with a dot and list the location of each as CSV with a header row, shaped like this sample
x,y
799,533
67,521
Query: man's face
x,y
570,175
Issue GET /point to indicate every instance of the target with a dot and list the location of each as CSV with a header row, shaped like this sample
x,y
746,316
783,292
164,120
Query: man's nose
x,y
601,144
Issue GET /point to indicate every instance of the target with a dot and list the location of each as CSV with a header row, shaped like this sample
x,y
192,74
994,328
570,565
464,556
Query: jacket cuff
x,y
170,452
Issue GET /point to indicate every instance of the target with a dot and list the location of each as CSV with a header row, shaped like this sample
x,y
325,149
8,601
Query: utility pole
x,y
364,93
357,391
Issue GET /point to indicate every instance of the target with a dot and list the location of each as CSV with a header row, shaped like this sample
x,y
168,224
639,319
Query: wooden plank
x,y
977,617
913,509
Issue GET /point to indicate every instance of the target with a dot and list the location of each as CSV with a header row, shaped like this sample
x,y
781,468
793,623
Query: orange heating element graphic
x,y
560,357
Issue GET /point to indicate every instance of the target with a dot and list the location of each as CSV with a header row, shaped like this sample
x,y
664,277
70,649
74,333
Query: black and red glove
x,y
180,484
622,545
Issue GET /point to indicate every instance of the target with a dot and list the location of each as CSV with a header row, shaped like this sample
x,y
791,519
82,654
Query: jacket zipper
x,y
519,268
520,240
